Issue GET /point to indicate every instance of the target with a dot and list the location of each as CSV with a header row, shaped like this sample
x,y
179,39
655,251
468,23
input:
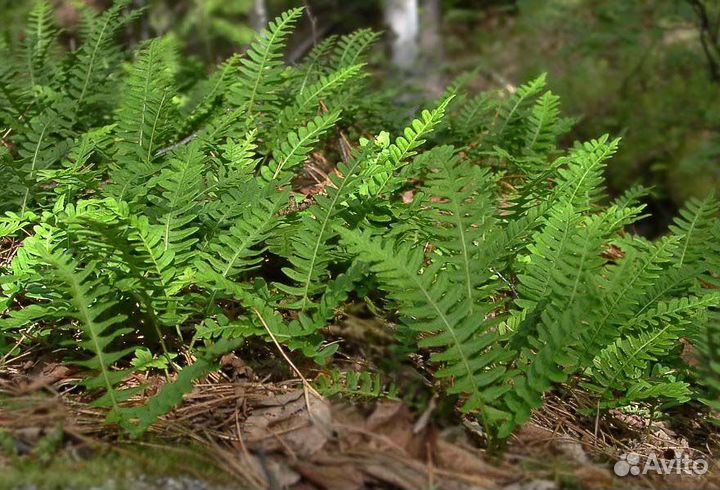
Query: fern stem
x,y
321,235
87,319
91,63
32,168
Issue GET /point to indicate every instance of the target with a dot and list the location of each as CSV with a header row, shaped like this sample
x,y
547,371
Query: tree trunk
x,y
402,16
431,46
259,15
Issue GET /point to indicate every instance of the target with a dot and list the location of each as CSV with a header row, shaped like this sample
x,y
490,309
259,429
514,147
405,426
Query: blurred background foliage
x,y
646,70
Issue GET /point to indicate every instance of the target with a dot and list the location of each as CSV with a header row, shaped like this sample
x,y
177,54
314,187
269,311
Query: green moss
x,y
130,468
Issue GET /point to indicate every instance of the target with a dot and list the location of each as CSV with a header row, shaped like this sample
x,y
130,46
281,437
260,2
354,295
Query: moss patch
x,y
130,468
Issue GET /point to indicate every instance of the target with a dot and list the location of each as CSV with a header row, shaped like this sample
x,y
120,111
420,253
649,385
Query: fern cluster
x,y
169,219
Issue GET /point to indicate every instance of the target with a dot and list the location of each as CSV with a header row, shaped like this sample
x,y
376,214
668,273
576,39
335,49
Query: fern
x,y
137,420
147,241
626,287
352,384
380,173
179,188
464,215
13,93
694,225
543,125
179,218
307,101
708,339
510,114
144,116
678,310
39,41
316,63
582,179
559,286
625,363
95,59
260,71
430,306
232,253
207,96
42,146
312,252
295,148
90,303
469,122
352,48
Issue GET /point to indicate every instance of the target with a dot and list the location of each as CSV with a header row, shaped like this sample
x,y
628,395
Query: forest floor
x,y
236,430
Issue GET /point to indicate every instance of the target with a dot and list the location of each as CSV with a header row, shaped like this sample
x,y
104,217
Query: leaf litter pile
x,y
262,433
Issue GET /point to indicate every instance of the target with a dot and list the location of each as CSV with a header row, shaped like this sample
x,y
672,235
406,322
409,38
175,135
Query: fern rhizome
x,y
150,213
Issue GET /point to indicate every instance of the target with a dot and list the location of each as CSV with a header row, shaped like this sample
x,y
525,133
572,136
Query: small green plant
x,y
169,220
353,384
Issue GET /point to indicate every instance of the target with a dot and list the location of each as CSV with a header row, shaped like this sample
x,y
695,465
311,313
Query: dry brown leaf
x,y
393,422
52,373
457,459
595,477
286,424
332,476
408,475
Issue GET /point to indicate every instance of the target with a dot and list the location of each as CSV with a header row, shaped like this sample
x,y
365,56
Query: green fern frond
x,y
550,364
91,305
662,389
41,146
314,243
261,70
160,268
296,335
144,117
40,36
707,341
632,196
208,95
11,223
231,180
463,217
628,360
543,128
676,311
467,348
548,247
296,147
232,253
352,48
559,295
694,226
96,58
301,334
180,185
509,127
352,384
78,174
581,180
626,292
136,420
472,118
14,97
380,174
317,62
308,101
